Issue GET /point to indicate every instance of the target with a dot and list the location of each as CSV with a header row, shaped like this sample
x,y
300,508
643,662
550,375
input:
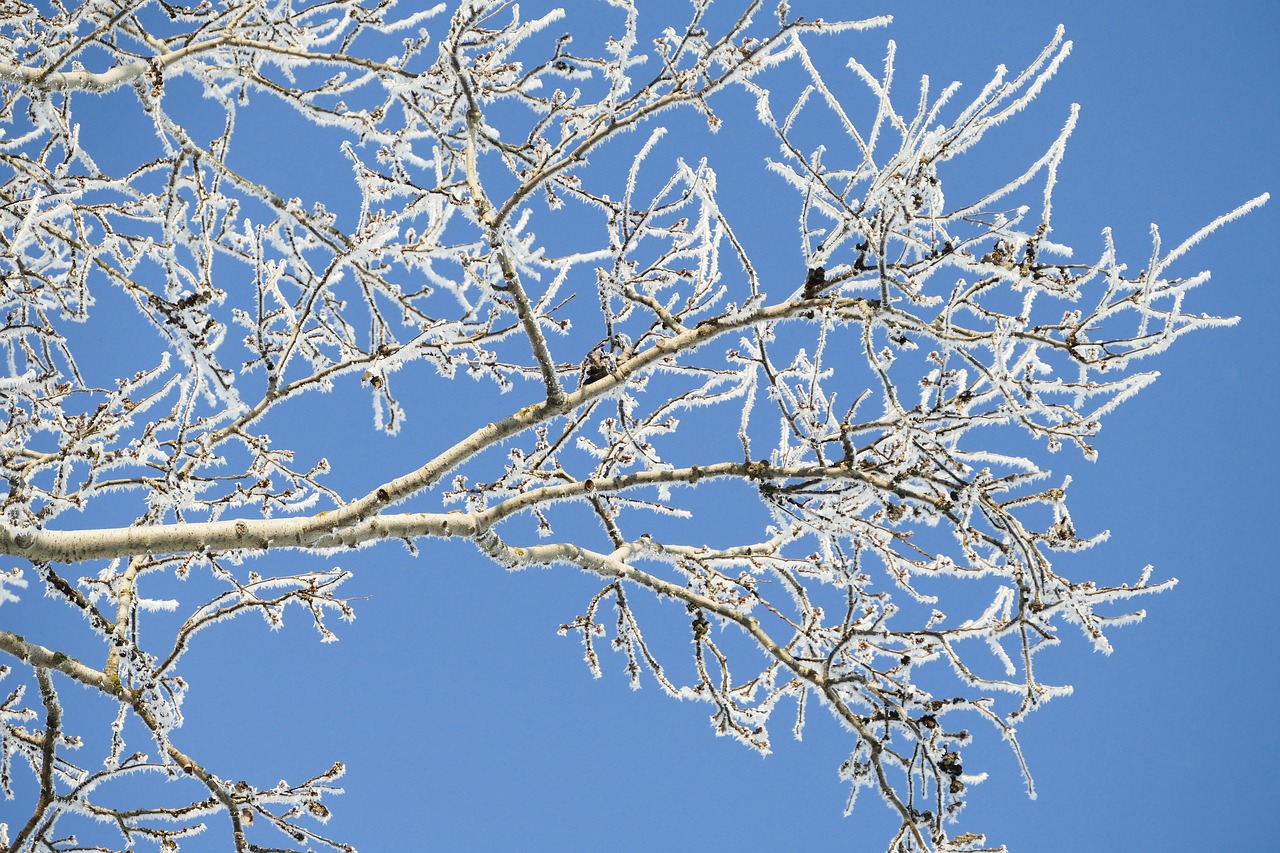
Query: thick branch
x,y
40,657
44,79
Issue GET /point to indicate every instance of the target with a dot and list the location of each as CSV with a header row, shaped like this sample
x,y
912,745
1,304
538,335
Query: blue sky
x,y
463,739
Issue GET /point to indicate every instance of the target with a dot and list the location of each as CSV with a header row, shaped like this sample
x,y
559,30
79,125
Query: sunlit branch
x,y
874,387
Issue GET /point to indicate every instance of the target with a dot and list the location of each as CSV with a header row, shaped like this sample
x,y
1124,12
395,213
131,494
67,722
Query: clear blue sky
x,y
458,739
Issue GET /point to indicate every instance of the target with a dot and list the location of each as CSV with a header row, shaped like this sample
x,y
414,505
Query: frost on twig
x,y
511,204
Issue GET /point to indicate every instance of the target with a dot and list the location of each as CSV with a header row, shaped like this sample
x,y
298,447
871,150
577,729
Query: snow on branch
x,y
516,230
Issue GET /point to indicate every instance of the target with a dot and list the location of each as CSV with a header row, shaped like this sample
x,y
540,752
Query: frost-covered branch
x,y
876,403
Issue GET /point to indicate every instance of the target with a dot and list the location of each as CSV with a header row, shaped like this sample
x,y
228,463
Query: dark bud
x,y
814,282
862,249
700,625
595,367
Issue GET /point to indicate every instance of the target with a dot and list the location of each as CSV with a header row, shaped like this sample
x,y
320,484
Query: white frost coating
x,y
487,213
11,579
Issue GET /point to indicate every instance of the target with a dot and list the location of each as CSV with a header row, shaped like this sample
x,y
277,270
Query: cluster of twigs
x,y
864,393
